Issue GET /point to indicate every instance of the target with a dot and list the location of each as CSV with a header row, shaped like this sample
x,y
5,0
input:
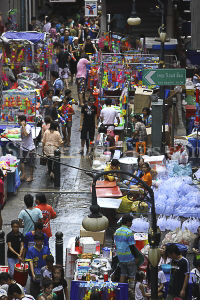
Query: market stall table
x,y
108,192
105,184
109,202
4,141
74,290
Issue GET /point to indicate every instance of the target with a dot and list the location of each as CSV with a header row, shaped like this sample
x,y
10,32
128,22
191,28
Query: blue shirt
x,y
124,238
38,257
134,181
30,242
35,214
58,84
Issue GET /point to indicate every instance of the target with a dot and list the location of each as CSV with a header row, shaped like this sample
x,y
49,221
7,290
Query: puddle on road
x,y
71,209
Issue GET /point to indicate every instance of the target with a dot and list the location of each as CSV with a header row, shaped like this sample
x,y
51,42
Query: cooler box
x,y
194,145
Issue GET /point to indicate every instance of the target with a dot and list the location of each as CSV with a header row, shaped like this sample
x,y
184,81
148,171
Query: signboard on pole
x,y
164,77
90,8
59,1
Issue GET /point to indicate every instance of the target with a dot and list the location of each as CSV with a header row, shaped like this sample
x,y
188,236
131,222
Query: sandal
x,y
23,178
29,180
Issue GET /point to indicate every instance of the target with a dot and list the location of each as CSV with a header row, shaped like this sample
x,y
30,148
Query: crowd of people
x,y
170,254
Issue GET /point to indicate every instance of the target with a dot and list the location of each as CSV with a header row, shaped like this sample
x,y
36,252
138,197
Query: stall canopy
x,y
31,36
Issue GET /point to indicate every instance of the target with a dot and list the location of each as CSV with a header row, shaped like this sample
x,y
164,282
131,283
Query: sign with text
x,y
164,77
59,1
90,8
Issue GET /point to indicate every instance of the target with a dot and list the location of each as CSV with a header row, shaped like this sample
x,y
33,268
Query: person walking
x,y
27,149
47,101
108,116
124,239
51,141
88,122
81,77
179,273
57,82
48,212
15,242
63,58
52,110
67,112
36,256
30,215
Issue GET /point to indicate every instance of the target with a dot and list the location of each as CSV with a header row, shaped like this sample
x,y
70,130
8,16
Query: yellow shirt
x,y
109,177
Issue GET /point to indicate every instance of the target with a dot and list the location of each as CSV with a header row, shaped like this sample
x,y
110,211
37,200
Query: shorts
x,y
128,268
28,157
81,84
87,133
64,73
68,124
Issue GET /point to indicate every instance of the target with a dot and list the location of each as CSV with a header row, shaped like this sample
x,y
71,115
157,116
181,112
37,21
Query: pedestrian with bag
x,y
30,215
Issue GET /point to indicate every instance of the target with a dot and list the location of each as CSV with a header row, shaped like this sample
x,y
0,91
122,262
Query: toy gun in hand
x,y
62,120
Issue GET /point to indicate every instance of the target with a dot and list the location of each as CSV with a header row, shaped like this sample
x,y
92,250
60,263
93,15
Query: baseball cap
x,y
3,293
88,38
56,99
91,99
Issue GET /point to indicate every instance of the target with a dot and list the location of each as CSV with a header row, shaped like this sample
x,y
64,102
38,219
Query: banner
x,y
90,8
62,1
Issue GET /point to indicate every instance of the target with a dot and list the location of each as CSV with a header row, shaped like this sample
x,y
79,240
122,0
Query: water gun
x,y
62,120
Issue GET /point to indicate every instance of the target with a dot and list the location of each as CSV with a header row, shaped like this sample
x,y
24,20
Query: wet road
x,y
71,201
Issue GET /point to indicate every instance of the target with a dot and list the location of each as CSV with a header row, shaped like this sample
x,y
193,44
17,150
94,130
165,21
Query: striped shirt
x,y
124,238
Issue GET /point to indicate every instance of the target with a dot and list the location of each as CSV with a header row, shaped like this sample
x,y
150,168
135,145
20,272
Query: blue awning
x,y
31,36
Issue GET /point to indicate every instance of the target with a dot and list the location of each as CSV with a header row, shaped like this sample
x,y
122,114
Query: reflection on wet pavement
x,y
71,209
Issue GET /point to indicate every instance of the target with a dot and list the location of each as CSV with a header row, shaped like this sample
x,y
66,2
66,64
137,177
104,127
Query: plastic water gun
x,y
62,120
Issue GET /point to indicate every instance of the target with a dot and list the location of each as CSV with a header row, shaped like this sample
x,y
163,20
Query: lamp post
x,y
94,220
133,20
162,35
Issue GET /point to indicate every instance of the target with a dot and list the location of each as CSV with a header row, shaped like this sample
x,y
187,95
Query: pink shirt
x,y
81,68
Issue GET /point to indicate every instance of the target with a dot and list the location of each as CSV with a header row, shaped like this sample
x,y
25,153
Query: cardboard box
x,y
149,136
141,99
97,236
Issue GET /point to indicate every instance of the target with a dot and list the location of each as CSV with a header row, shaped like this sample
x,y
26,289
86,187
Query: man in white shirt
x,y
27,148
47,26
108,115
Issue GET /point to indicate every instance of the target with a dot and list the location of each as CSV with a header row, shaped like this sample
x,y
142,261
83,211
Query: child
x,y
36,256
15,242
114,165
195,273
6,280
47,212
46,271
14,292
46,126
47,284
161,281
139,287
59,283
67,111
57,82
1,196
29,240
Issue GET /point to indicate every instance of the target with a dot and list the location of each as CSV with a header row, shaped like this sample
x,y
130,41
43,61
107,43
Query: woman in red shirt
x,y
47,213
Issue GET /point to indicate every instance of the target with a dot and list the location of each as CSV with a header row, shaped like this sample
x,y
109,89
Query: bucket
x,y
106,252
21,273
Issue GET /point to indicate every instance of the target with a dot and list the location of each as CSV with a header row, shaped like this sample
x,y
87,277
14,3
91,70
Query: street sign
x,y
164,77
